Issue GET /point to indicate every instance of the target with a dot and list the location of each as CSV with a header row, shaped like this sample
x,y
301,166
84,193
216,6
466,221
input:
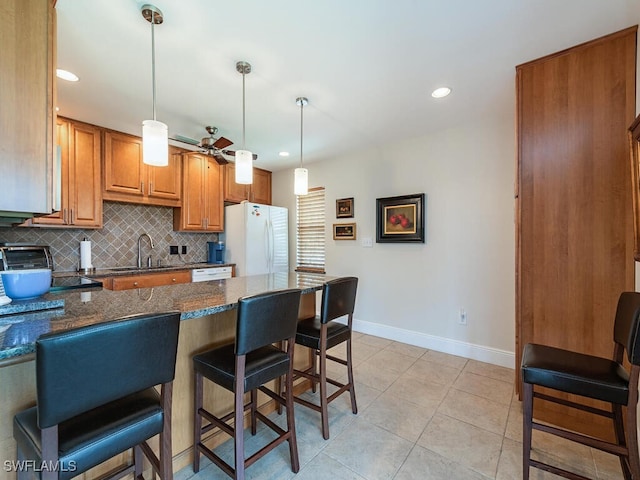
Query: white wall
x,y
413,292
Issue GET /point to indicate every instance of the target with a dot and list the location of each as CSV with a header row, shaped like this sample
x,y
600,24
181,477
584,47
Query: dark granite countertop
x,y
21,322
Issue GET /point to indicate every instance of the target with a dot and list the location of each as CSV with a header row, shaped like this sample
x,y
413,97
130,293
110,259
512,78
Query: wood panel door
x,y
166,182
192,214
574,230
123,167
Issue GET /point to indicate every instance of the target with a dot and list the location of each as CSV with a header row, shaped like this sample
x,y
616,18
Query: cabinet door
x,y
191,215
166,182
62,144
261,187
233,192
26,99
213,196
85,194
123,167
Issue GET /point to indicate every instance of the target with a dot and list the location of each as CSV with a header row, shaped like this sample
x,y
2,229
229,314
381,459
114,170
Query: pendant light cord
x,y
301,130
243,114
153,61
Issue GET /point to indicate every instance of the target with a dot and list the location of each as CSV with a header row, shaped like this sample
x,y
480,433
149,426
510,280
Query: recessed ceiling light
x,y
66,75
284,154
441,92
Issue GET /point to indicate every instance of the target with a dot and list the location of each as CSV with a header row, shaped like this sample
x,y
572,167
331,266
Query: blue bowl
x,y
21,284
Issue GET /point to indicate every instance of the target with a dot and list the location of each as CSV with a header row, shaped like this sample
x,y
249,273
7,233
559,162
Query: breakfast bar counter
x,y
208,313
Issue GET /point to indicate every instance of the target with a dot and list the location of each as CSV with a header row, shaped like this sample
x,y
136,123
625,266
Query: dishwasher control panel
x,y
210,273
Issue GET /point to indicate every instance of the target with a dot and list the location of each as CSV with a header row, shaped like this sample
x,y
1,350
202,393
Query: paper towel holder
x,y
89,269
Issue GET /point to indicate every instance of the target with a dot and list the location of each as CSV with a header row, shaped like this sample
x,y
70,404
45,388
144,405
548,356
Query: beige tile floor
x,y
422,414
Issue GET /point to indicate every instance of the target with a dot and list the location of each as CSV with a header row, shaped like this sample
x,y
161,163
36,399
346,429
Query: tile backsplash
x,y
116,244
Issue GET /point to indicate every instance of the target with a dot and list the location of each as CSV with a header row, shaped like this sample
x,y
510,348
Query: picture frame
x,y
344,231
344,207
400,219
634,143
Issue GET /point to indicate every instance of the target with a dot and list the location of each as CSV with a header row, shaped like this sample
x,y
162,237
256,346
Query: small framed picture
x,y
344,231
344,208
400,219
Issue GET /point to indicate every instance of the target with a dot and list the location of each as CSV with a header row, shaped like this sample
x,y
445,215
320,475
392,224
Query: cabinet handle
x,y
64,216
150,188
142,187
173,279
71,216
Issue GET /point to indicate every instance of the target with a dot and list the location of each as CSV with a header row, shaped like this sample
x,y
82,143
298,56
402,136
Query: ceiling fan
x,y
211,145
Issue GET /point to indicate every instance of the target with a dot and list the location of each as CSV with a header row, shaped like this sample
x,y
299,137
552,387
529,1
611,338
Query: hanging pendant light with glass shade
x,y
300,174
244,158
155,135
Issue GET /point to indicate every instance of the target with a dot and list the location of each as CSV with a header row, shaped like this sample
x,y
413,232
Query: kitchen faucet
x,y
139,256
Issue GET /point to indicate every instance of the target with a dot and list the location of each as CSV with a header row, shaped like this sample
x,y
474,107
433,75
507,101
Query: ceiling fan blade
x,y
222,143
187,140
220,159
232,153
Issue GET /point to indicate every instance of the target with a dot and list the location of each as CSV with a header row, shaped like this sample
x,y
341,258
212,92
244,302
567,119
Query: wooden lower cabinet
x,y
79,147
128,179
202,208
259,191
147,280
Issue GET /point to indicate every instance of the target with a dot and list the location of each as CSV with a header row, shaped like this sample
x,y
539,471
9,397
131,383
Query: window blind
x,y
310,217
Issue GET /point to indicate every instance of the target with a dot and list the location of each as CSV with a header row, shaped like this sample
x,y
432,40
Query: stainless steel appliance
x,y
18,256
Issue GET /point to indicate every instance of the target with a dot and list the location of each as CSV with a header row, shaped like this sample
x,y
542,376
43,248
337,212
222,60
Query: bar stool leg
x,y
197,421
632,433
238,430
291,424
527,420
618,424
352,388
254,408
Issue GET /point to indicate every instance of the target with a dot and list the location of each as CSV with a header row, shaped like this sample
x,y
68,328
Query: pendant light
x,y
244,158
300,174
155,135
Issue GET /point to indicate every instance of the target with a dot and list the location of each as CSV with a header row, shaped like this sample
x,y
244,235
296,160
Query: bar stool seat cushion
x,y
308,333
97,435
577,373
262,365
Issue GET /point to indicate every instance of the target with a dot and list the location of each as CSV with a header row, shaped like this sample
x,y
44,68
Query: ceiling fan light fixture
x,y
155,134
66,75
244,158
301,174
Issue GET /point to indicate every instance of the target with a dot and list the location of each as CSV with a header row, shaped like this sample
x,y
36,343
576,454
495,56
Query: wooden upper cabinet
x,y
79,146
27,97
258,192
127,179
202,206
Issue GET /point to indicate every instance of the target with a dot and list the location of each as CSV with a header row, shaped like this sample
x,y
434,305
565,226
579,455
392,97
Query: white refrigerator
x,y
256,238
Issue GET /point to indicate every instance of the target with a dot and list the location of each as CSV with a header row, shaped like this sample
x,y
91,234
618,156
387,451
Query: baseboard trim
x,y
481,353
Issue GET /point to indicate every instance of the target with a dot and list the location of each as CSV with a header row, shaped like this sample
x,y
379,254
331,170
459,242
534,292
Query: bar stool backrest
x,y
627,325
338,298
80,369
266,318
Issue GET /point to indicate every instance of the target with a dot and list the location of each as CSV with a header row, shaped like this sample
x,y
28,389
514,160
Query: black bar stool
x,y
245,366
591,377
322,333
95,397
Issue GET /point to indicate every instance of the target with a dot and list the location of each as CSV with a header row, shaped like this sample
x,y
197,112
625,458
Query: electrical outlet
x,y
184,249
173,249
462,319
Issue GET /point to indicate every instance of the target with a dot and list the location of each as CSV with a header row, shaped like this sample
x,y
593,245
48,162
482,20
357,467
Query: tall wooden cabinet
x,y
259,191
127,179
202,208
81,195
27,97
573,196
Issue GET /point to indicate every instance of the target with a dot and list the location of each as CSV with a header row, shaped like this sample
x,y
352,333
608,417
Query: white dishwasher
x,y
210,273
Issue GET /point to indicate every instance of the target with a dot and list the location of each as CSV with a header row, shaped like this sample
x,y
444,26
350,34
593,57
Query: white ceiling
x,y
367,66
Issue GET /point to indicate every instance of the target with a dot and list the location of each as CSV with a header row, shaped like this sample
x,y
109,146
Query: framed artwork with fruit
x,y
400,219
